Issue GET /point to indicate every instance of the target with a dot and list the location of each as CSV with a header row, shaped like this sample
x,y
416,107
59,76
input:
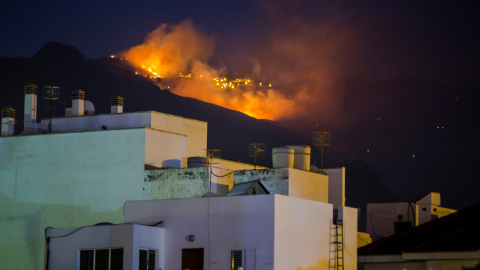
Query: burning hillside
x,y
176,56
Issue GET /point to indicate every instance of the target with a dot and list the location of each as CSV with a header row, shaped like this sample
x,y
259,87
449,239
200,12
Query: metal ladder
x,y
336,261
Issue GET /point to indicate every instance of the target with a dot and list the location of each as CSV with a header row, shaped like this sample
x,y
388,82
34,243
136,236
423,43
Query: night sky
x,y
373,40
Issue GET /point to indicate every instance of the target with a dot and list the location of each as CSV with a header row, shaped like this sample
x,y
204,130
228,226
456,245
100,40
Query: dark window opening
x,y
101,259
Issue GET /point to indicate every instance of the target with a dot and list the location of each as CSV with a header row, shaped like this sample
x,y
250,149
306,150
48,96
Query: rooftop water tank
x,y
172,163
196,162
283,157
302,157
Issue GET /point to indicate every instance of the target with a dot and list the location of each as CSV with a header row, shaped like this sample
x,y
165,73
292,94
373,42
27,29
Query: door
x,y
192,259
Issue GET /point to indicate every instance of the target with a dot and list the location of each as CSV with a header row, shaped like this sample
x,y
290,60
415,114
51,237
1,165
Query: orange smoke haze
x,y
170,50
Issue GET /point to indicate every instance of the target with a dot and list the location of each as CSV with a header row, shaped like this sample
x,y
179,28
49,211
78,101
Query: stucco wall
x,y
224,223
161,146
288,233
64,180
308,185
290,182
195,130
336,186
396,266
176,183
349,218
302,234
66,242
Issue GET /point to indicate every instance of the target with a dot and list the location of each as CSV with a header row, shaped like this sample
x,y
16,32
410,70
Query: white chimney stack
x,y
116,104
30,110
8,121
78,102
68,107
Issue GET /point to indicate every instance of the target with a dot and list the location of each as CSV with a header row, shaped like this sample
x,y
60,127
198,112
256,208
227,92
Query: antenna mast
x,y
51,93
256,150
322,138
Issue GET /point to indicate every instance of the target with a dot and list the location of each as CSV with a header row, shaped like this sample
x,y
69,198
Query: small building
x,y
255,232
447,243
385,219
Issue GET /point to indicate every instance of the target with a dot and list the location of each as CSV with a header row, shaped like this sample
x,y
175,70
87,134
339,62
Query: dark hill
x,y
392,119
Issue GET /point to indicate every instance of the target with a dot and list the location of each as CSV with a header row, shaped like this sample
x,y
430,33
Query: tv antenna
x,y
51,93
256,150
211,154
322,139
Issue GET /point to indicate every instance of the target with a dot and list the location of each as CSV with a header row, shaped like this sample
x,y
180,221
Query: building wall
x,y
195,130
349,217
424,265
290,182
397,266
64,180
336,186
65,243
302,234
451,264
162,146
176,183
381,217
286,232
222,222
308,185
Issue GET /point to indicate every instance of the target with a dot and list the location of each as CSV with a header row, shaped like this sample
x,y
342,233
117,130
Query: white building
x,y
84,171
255,232
385,219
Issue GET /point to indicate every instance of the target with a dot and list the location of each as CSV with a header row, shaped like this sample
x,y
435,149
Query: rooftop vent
x,y
8,121
78,102
116,104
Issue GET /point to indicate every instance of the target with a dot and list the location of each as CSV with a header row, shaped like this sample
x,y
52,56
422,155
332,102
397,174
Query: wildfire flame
x,y
170,49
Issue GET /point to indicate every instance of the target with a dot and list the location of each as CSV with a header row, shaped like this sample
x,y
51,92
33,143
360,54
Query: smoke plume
x,y
171,50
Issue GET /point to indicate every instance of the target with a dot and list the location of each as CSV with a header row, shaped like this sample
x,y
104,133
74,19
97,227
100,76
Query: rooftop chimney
x,y
8,121
78,102
68,107
116,104
30,110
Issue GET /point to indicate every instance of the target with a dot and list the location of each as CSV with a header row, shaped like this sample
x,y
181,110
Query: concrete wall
x,y
288,233
289,181
349,217
64,180
223,223
161,146
176,183
336,186
65,243
397,266
308,185
424,265
195,130
302,234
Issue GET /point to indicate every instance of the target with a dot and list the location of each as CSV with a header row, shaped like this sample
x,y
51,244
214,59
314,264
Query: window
x,y
101,259
146,259
245,258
